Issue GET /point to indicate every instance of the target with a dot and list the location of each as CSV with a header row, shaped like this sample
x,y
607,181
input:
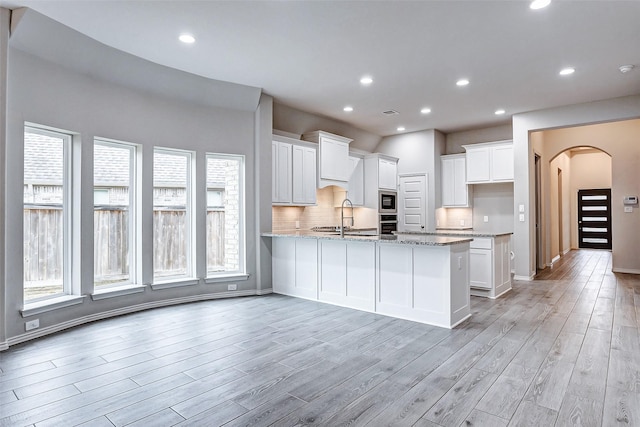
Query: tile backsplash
x,y
454,217
323,214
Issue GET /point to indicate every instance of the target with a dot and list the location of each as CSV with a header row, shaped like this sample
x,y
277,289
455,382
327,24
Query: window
x,y
172,227
47,217
225,214
113,213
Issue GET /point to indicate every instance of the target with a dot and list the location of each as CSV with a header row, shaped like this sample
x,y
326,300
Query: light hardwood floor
x,y
563,349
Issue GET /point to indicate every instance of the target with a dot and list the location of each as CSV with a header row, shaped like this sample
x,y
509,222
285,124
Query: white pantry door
x,y
412,207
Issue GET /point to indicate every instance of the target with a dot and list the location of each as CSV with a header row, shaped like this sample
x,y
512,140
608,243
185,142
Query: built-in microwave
x,y
387,202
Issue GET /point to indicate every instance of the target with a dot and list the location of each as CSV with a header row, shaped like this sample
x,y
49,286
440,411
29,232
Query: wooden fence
x,y
43,246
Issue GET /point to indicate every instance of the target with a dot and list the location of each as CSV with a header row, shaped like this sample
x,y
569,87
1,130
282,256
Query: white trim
x,y
226,278
37,333
51,304
4,345
554,260
168,284
117,291
524,278
626,270
264,291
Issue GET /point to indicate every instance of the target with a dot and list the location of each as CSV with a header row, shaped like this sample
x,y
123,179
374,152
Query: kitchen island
x,y
424,278
489,259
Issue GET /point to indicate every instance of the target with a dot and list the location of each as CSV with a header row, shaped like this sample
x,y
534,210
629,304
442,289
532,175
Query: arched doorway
x,y
579,189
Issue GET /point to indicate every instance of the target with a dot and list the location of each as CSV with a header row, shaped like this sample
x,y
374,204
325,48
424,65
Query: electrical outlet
x,y
297,224
462,222
32,324
233,287
486,218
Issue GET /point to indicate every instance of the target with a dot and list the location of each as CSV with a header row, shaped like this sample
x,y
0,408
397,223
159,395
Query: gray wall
x,y
5,16
297,122
496,202
455,140
48,94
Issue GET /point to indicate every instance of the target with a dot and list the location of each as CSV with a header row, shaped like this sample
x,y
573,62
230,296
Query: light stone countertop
x,y
406,239
458,232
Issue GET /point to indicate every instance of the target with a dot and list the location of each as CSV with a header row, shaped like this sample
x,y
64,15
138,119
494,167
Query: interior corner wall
x,y
5,18
264,132
44,93
611,110
455,140
418,152
556,206
298,122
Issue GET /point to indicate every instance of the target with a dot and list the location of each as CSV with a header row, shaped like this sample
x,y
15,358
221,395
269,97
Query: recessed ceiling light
x,y
348,109
366,80
187,38
400,128
539,4
462,82
500,112
425,110
567,71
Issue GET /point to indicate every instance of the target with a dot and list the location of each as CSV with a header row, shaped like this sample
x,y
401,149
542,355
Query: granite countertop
x,y
407,239
458,232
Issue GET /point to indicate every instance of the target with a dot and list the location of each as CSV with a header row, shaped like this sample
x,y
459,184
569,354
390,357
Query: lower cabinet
x,y
347,273
490,266
295,267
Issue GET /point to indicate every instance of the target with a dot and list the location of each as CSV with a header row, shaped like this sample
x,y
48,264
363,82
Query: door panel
x,y
594,218
412,206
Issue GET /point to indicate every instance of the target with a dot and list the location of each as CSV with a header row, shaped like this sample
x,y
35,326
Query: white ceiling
x,y
311,54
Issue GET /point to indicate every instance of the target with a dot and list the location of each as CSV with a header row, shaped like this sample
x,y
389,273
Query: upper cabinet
x,y
293,172
333,158
489,162
380,173
455,191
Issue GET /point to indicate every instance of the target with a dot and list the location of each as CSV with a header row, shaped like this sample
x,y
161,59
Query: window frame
x,y
134,211
189,215
242,216
67,210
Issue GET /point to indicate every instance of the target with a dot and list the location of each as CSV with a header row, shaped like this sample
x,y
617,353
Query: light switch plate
x,y
521,208
521,217
486,218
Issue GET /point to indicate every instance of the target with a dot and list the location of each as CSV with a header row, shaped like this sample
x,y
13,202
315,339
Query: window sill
x,y
117,291
226,278
175,283
34,308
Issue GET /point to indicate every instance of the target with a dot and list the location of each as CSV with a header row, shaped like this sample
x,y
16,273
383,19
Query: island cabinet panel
x,y
425,284
295,267
347,274
394,280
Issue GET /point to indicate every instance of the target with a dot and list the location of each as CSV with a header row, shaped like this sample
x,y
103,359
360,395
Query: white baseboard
x,y
554,260
524,278
626,270
125,310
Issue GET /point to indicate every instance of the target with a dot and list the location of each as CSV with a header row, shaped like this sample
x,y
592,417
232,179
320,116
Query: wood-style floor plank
x,y
563,349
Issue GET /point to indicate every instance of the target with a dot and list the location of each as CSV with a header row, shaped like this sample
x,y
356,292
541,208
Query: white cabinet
x,y
356,181
387,174
489,162
347,272
293,172
380,173
333,158
295,267
490,266
281,180
455,191
304,175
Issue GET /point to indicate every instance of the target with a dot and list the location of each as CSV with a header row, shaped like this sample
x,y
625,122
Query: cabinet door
x,y
387,174
478,166
502,163
356,182
448,182
334,159
480,267
282,172
460,191
304,175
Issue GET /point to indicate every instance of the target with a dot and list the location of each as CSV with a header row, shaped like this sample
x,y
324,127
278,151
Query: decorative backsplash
x,y
454,217
285,217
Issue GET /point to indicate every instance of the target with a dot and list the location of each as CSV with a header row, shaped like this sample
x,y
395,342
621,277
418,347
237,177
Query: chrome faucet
x,y
342,216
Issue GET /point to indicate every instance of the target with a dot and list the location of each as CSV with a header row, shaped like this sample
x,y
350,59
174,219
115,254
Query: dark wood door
x,y
594,218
